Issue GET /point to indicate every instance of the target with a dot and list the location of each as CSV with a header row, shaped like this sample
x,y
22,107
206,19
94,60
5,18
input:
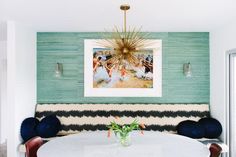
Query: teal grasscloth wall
x,y
68,49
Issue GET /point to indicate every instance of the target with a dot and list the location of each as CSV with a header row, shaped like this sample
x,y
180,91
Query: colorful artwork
x,y
108,73
106,76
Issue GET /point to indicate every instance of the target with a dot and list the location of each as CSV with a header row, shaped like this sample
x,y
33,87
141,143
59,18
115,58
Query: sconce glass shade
x,y
58,70
187,69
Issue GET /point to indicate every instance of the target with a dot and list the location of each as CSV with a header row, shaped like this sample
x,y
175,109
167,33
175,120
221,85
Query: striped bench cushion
x,y
157,117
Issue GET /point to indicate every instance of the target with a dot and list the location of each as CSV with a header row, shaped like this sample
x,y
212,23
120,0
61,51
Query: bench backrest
x,y
158,117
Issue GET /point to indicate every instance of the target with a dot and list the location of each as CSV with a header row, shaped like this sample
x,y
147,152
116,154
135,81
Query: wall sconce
x,y
58,70
187,69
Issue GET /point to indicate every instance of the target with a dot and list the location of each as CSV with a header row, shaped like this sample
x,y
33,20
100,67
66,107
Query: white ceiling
x,y
97,15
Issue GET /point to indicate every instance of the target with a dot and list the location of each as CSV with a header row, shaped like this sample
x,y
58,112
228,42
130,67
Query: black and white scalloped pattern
x,y
91,117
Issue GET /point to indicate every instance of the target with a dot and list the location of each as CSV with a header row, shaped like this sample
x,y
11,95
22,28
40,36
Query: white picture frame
x,y
90,91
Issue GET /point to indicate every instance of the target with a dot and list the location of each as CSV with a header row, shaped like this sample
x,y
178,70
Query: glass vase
x,y
124,139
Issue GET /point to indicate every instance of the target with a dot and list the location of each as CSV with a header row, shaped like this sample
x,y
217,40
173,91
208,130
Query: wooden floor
x,y
3,150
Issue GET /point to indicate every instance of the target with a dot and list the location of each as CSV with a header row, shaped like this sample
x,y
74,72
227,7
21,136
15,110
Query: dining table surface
x,y
98,144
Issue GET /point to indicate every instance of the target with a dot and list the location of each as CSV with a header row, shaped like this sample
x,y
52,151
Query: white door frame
x,y
230,99
1,69
3,90
3,101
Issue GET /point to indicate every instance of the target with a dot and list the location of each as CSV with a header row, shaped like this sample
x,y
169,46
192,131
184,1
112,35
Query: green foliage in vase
x,y
124,130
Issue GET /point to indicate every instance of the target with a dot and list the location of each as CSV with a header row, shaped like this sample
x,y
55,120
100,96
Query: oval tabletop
x,y
97,144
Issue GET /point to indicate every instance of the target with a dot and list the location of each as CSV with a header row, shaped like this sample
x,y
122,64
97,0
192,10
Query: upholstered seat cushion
x,y
157,117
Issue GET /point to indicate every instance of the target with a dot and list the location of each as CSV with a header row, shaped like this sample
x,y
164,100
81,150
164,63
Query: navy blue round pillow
x,y
212,127
49,126
190,129
28,128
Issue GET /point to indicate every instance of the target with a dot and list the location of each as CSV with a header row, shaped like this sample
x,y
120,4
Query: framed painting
x,y
108,79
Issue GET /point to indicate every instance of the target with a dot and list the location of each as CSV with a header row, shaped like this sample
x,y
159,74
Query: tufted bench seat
x,y
91,117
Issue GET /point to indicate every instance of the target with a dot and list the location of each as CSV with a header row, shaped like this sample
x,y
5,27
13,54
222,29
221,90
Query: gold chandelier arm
x,y
116,57
147,64
135,58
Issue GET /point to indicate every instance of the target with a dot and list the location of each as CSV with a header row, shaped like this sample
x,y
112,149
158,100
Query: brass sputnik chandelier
x,y
125,44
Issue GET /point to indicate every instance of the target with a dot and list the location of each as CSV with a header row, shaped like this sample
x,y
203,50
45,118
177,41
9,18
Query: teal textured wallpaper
x,y
68,49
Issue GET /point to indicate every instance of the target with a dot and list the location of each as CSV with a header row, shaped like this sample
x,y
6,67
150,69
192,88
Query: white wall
x,y
3,90
3,50
221,41
3,81
21,85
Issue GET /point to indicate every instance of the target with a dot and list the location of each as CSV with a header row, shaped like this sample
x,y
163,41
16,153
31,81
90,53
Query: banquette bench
x,y
91,117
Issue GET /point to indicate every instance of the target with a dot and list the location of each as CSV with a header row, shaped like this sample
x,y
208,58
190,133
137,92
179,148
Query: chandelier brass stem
x,y
125,21
125,7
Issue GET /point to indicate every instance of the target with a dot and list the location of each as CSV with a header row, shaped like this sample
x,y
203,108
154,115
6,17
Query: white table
x,y
96,144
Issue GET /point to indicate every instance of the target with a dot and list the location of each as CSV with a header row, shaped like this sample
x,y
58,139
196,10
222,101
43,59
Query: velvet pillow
x,y
49,126
28,128
191,129
212,127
